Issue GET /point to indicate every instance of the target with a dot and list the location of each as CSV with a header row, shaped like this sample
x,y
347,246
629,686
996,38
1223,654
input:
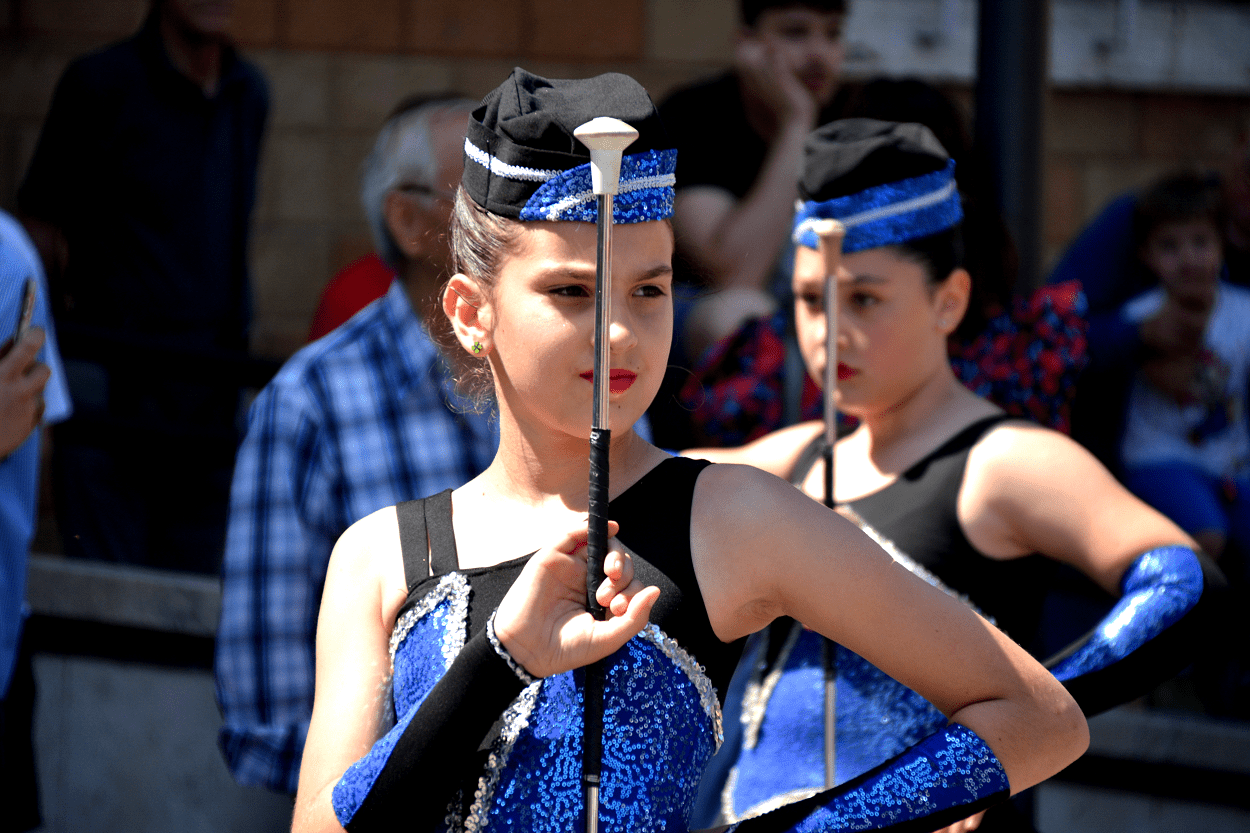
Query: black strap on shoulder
x,y
426,538
442,535
811,452
970,434
965,438
413,542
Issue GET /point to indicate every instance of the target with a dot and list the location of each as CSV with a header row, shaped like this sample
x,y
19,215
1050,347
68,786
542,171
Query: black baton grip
x,y
597,543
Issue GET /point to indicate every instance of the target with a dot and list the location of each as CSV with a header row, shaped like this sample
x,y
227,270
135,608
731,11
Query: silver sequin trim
x,y
683,660
453,587
505,170
755,697
515,719
892,210
760,689
521,674
626,185
452,820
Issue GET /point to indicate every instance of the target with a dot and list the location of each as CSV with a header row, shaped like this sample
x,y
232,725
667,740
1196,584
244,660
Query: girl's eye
x,y
861,300
650,291
813,301
571,291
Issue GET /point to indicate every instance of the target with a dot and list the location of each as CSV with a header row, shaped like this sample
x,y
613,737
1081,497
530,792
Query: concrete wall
x,y
337,66
130,746
125,720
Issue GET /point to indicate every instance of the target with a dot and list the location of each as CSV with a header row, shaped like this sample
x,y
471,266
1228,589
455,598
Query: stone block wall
x,y
336,67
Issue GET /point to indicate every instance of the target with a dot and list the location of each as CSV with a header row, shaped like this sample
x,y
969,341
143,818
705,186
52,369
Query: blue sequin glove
x,y
1148,636
948,776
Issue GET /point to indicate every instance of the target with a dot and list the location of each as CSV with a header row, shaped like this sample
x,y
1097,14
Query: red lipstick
x,y
619,379
846,372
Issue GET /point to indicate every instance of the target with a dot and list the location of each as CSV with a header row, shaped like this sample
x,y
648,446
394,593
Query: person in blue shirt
x,y
32,394
361,419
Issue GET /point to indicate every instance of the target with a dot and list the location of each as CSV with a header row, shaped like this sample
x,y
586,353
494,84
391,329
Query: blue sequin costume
x,y
778,698
473,748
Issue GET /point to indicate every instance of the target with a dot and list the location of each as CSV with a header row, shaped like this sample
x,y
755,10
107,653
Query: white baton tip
x,y
606,138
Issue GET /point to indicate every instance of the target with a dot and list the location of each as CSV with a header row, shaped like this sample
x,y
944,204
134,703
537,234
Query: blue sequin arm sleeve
x,y
1168,597
948,776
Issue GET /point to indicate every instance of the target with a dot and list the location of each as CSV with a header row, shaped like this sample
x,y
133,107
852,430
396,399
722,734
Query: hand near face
x,y
543,621
765,72
22,380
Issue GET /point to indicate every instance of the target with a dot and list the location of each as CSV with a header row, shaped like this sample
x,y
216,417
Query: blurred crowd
x,y
135,219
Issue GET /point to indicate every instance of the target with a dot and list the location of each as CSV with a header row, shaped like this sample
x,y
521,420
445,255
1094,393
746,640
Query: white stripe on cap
x,y
891,210
503,169
626,185
904,207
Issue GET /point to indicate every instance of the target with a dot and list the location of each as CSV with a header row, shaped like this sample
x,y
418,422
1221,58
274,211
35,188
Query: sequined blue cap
x,y
523,161
885,182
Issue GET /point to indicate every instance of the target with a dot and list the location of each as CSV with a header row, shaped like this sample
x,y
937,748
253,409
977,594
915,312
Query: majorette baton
x,y
606,138
830,234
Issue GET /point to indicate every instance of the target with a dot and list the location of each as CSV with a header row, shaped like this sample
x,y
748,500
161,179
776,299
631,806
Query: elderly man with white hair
x,y
363,418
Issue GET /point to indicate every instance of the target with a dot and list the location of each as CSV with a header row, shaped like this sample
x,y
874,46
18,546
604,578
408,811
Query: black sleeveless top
x,y
918,514
654,517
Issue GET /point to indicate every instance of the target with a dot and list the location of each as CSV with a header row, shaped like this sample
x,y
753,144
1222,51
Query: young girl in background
x,y
979,504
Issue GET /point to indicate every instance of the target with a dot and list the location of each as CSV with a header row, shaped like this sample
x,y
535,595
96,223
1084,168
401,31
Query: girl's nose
x,y
621,334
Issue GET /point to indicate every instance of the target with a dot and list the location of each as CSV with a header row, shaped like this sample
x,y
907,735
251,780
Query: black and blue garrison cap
x,y
523,161
886,182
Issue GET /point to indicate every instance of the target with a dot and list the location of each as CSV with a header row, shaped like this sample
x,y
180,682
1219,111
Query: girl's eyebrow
x,y
564,271
658,271
577,273
868,278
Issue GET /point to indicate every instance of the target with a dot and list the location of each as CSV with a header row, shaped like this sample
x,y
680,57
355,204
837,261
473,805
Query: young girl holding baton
x,y
454,632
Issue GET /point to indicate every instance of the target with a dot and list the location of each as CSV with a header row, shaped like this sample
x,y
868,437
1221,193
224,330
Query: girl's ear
x,y
951,300
464,304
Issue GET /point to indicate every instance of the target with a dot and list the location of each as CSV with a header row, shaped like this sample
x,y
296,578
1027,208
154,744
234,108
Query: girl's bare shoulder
x,y
1018,448
738,507
374,532
368,553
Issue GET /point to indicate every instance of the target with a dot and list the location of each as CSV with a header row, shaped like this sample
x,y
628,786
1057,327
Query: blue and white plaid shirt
x,y
359,420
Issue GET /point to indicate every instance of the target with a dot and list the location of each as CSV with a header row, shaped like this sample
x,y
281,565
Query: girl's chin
x,y
851,406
